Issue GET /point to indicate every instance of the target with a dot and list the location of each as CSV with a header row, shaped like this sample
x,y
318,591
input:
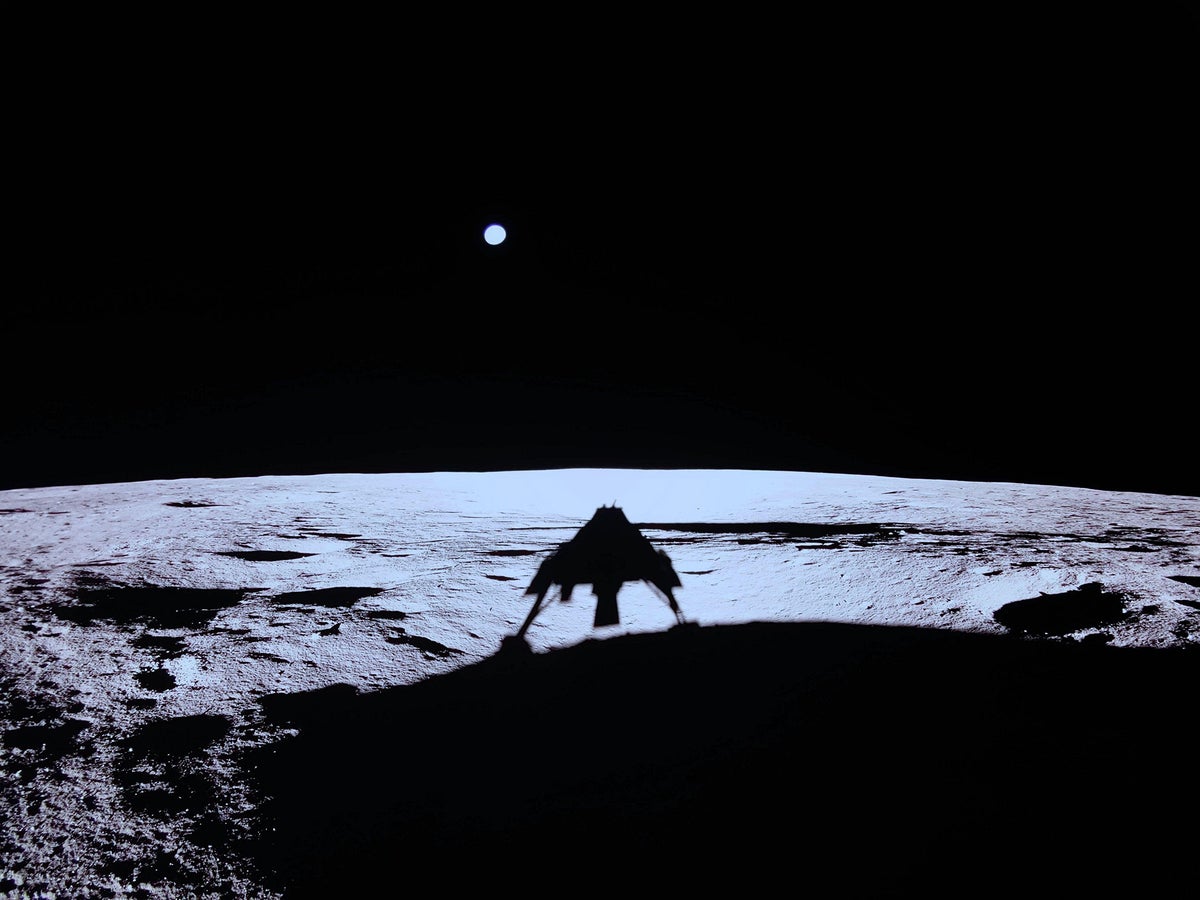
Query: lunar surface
x,y
293,686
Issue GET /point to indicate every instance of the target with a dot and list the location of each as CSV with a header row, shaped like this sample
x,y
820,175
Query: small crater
x,y
1089,606
264,555
123,869
179,736
153,605
52,740
328,597
165,771
513,552
164,647
155,679
189,504
501,577
28,585
386,614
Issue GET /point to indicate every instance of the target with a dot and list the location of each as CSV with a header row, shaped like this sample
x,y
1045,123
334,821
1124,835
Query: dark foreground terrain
x,y
846,760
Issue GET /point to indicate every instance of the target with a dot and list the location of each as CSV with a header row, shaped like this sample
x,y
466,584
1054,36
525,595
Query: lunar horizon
x,y
281,687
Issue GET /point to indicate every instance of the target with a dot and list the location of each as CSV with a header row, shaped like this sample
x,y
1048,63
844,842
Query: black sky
x,y
960,246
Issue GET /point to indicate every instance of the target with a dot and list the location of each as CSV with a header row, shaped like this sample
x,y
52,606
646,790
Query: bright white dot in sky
x,y
494,234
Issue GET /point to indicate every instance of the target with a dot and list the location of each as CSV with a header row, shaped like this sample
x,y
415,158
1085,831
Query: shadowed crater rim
x,y
1088,606
264,555
331,596
161,606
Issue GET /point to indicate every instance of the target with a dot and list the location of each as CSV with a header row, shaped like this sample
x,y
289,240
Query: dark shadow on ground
x,y
157,606
1087,606
334,596
868,761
